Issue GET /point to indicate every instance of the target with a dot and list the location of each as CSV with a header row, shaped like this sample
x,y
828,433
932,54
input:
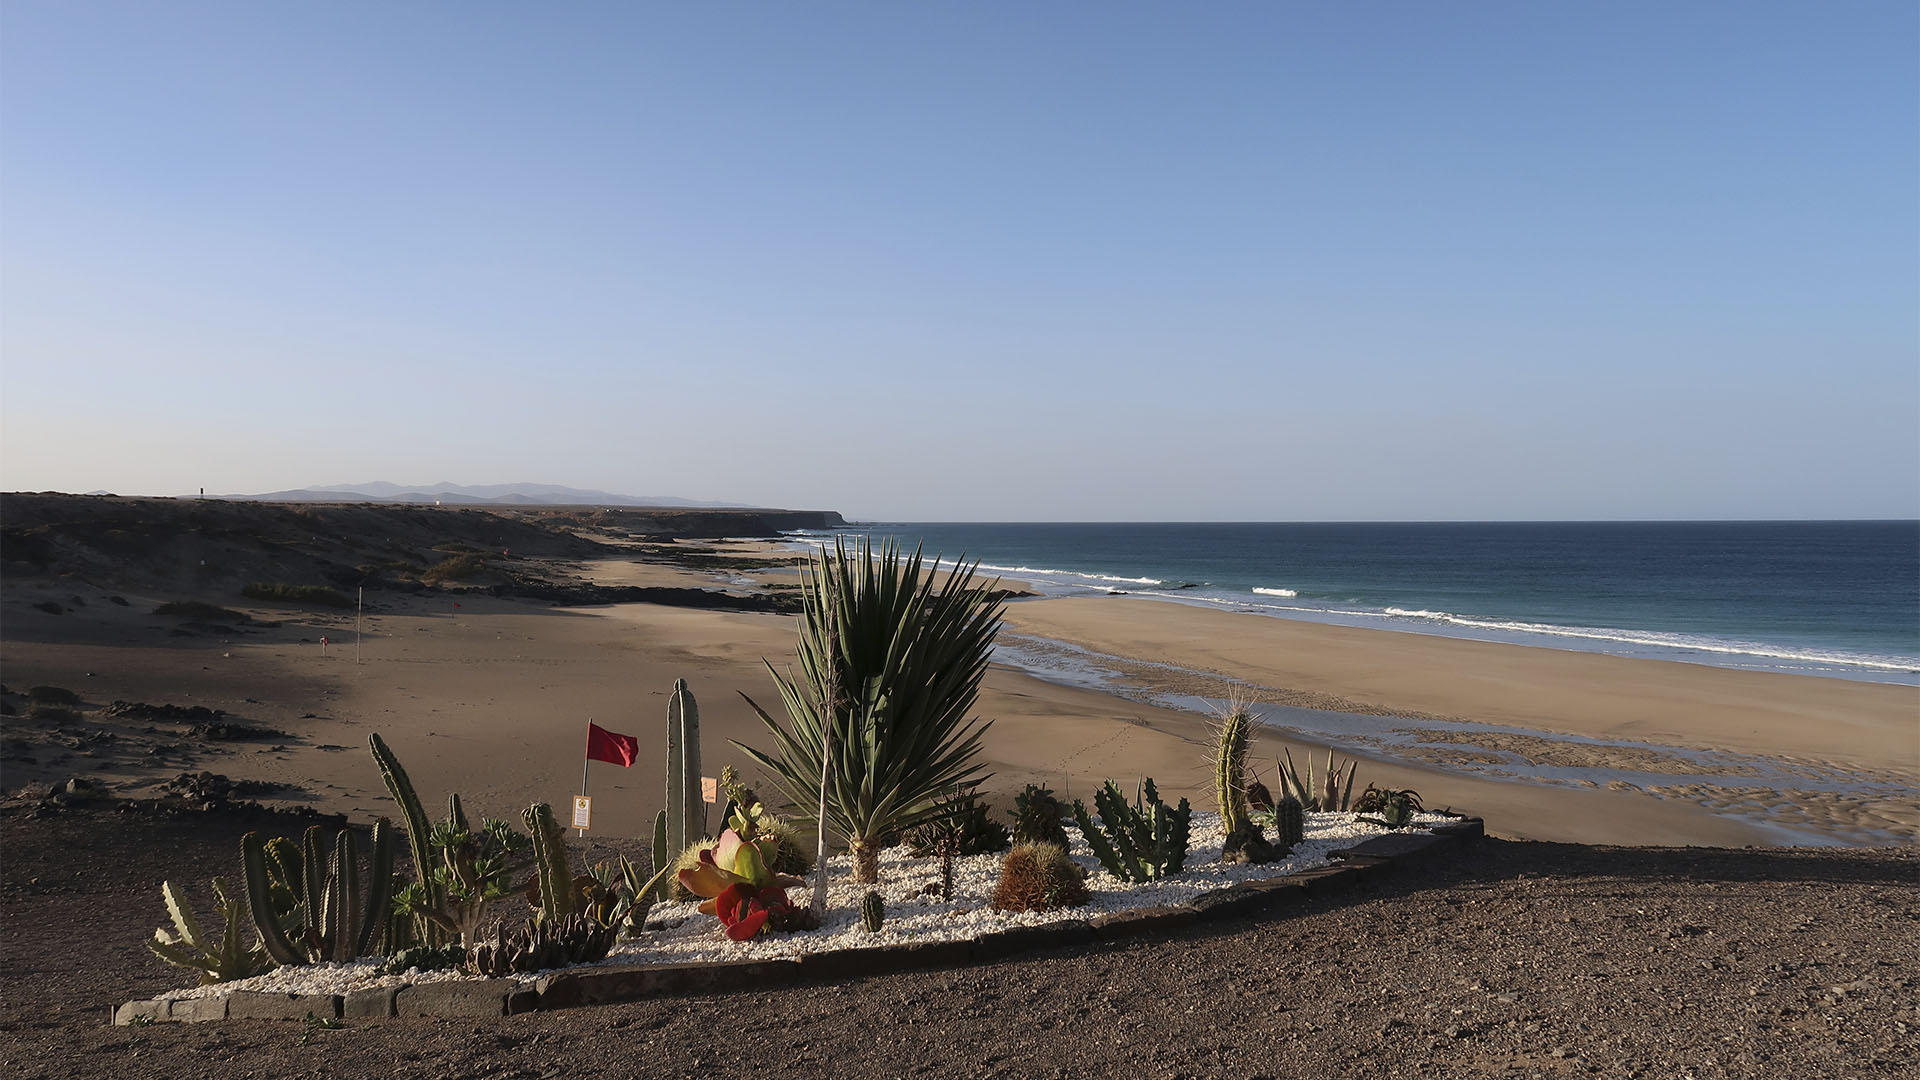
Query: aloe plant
x,y
1330,791
888,668
231,957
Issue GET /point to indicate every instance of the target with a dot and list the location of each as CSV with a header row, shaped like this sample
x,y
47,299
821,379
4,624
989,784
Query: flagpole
x,y
584,766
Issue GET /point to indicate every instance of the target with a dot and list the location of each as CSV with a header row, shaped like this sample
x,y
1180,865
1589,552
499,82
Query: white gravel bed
x,y
678,934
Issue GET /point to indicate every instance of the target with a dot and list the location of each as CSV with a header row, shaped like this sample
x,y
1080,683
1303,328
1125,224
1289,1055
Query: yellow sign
x,y
582,810
709,789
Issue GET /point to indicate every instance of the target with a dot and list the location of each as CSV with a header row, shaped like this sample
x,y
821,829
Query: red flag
x,y
604,745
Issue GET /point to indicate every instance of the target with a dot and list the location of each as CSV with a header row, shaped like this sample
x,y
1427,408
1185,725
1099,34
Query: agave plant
x,y
740,888
888,669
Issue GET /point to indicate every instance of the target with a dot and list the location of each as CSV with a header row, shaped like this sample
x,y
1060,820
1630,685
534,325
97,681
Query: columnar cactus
x,y
550,860
873,912
1289,820
686,820
336,920
419,833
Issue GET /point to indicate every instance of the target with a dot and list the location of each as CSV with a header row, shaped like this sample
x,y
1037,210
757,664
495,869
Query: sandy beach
x,y
491,697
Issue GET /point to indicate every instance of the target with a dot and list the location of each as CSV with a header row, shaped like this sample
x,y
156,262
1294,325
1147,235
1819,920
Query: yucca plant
x,y
888,668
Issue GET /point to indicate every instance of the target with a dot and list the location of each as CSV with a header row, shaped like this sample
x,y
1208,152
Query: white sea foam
x,y
1276,592
1083,575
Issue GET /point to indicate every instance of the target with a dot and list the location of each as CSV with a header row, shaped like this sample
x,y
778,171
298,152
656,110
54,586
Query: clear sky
x,y
1048,261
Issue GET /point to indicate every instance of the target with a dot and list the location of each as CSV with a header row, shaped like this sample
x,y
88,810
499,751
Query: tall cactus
x,y
335,919
419,833
1245,842
1290,820
1230,768
686,822
550,857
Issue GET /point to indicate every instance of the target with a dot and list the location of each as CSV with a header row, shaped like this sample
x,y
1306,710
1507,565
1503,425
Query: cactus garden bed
x,y
682,949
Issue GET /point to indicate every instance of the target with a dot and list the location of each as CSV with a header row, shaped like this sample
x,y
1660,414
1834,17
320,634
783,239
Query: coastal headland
x,y
485,640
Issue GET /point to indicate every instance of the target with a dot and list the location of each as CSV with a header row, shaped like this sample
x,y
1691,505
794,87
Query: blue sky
x,y
973,262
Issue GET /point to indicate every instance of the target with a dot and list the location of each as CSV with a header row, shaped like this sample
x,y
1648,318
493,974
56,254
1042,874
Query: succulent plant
x,y
1396,807
232,957
425,958
459,871
967,829
1145,841
336,919
873,912
1038,876
1328,792
539,945
740,888
1374,800
1037,817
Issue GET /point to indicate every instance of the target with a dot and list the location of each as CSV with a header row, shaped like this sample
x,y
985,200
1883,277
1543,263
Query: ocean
x,y
1830,598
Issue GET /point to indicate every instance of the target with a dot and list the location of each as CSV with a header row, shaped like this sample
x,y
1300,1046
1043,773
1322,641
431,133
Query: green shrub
x,y
454,569
297,594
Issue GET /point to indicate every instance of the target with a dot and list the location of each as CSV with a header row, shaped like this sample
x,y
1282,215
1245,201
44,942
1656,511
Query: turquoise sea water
x,y
1838,599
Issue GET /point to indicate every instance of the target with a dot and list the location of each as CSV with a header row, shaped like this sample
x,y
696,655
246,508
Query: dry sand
x,y
491,698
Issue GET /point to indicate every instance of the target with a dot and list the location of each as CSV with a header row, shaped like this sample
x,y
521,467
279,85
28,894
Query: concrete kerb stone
x,y
481,997
886,960
1019,939
145,1011
375,1003
1118,924
571,989
198,1010
253,1005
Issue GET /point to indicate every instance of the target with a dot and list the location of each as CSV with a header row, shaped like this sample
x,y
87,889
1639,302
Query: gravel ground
x,y
1518,959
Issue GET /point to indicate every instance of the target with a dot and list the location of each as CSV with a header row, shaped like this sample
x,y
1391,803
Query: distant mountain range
x,y
445,492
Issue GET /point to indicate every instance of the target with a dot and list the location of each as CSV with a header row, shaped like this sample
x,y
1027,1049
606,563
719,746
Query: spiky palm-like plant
x,y
888,668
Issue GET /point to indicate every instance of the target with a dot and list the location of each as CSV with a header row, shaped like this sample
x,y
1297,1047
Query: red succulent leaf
x,y
747,927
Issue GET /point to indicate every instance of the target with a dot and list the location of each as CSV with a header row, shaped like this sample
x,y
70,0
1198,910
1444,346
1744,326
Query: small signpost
x,y
582,812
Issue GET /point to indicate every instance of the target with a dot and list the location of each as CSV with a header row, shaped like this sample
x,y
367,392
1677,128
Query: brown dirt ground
x,y
1517,959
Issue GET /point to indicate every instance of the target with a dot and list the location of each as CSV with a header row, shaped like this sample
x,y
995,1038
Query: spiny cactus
x,y
1036,817
187,946
1142,842
1038,876
968,829
1244,843
557,897
1289,821
686,815
873,912
337,920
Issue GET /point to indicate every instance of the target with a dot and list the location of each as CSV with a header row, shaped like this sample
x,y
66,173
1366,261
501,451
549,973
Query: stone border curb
x,y
470,998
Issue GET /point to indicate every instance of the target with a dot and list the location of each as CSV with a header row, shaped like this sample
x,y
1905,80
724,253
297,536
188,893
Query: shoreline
x,y
1715,648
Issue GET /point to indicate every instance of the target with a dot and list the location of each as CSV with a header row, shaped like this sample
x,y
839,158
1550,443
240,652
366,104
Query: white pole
x,y
584,766
359,602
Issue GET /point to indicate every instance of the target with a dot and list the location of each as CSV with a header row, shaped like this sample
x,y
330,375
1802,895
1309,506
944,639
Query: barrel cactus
x,y
873,912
